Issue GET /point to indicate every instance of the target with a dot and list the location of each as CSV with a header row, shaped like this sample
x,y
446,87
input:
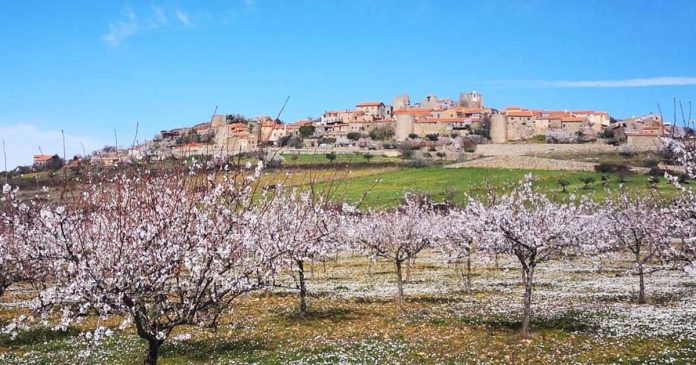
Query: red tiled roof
x,y
588,112
369,103
42,158
555,114
519,113
572,119
413,111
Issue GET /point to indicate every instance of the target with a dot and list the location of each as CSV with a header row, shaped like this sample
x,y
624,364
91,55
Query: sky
x,y
96,69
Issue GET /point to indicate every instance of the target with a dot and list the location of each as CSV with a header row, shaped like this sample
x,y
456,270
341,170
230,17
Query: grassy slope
x,y
387,187
304,159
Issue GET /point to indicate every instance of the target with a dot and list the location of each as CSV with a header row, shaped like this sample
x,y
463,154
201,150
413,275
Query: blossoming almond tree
x,y
396,235
19,262
643,226
13,213
462,231
297,227
161,251
535,229
684,152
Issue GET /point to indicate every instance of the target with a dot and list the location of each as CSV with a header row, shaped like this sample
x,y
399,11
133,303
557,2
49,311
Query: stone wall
x,y
508,149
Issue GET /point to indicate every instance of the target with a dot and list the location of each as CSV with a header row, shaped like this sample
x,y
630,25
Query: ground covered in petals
x,y
584,313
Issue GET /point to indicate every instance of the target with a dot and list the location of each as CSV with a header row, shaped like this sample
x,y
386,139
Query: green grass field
x,y
386,188
320,158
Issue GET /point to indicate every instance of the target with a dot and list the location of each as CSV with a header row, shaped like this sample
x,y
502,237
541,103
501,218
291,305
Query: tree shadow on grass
x,y
431,299
569,322
36,335
201,350
334,315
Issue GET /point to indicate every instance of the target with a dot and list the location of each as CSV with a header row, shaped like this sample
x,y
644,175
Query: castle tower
x,y
400,101
498,128
470,100
219,120
404,126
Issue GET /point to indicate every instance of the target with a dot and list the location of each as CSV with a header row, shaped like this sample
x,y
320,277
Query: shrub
x,y
389,146
626,152
563,184
295,142
420,162
381,133
605,167
406,150
560,136
654,171
325,140
412,136
621,175
354,136
587,181
307,130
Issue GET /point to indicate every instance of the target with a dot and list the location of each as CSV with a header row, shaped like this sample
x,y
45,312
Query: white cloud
x,y
183,17
122,29
22,141
131,23
158,18
642,82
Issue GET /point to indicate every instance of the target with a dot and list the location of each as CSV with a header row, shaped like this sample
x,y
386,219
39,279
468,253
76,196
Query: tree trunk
x,y
528,276
303,288
312,268
152,351
4,284
399,283
468,273
641,290
641,284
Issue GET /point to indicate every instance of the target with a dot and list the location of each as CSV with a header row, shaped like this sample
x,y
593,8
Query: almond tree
x,y
640,225
18,262
397,235
684,152
530,226
297,227
462,231
160,251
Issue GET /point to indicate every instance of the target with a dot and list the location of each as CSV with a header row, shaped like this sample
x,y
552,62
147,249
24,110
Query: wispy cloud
x,y
183,17
158,18
130,23
122,29
641,82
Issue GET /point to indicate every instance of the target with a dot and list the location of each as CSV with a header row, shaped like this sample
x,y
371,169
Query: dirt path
x,y
526,162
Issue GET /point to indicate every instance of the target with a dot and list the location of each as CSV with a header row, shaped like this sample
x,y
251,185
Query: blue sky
x,y
92,67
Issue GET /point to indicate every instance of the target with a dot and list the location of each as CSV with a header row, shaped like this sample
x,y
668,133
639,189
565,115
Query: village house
x,y
643,131
40,160
376,110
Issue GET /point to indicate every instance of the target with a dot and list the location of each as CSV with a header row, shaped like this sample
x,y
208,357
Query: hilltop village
x,y
445,125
